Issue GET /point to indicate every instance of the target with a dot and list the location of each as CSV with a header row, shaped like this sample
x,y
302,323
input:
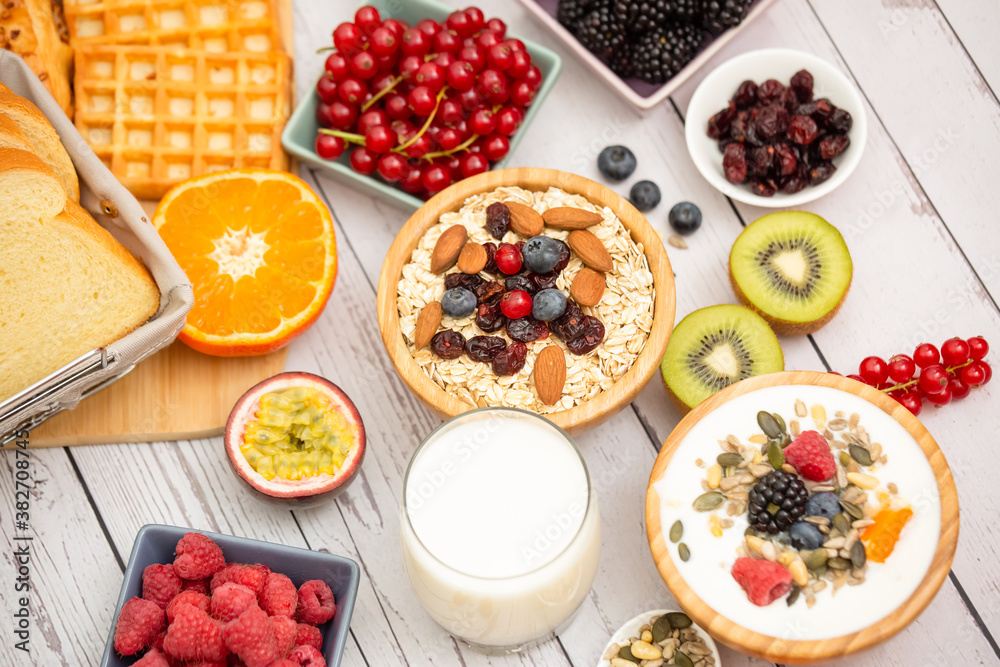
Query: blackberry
x,y
602,31
571,11
776,501
644,15
661,53
718,15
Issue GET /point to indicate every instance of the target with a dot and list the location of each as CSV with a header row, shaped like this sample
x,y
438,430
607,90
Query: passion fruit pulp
x,y
295,439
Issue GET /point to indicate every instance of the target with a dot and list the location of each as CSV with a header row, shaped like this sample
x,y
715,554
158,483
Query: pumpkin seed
x,y
682,660
768,424
661,629
625,653
775,456
858,556
841,523
707,502
683,552
678,620
781,422
838,563
845,457
729,459
850,508
676,531
860,454
817,559
793,597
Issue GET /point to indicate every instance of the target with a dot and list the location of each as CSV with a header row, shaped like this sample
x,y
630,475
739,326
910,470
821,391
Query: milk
x,y
500,533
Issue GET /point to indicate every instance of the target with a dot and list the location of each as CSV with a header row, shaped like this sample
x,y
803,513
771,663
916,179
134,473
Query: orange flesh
x,y
880,538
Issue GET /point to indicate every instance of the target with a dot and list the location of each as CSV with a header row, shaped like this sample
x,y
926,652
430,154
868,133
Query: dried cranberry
x,y
520,282
738,129
819,110
746,94
802,84
543,280
488,292
769,91
466,280
448,344
763,187
785,159
840,121
564,255
490,318
491,259
832,146
802,130
485,348
589,338
795,182
734,163
527,329
510,360
497,220
771,121
789,100
570,324
718,124
821,172
760,159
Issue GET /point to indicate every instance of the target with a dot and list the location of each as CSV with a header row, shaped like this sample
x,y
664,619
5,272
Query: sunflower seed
x,y
707,502
729,459
817,586
775,456
858,556
837,424
768,424
834,542
819,416
800,408
860,454
818,520
876,450
733,440
794,428
853,423
683,552
893,489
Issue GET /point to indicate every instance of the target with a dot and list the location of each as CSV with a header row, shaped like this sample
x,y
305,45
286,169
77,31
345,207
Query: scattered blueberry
x,y
616,163
541,253
824,504
805,535
458,302
645,195
685,218
548,305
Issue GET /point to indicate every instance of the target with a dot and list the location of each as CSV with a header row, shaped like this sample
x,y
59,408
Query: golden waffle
x,y
218,26
159,115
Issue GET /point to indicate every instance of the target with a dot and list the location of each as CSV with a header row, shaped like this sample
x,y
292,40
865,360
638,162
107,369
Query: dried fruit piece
x,y
880,538
448,344
589,338
511,360
497,220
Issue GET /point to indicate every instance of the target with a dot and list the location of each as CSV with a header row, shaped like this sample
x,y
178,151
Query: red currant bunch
x,y
426,105
929,374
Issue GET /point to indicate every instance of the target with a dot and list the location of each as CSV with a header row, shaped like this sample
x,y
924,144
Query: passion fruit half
x,y
295,439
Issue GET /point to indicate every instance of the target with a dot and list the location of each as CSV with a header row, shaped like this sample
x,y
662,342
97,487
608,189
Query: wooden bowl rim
x,y
807,651
587,414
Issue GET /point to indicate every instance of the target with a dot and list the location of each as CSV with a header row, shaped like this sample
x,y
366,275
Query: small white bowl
x,y
631,629
715,91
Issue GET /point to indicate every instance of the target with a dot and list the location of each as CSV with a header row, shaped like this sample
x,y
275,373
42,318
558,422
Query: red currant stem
x,y
346,136
326,48
461,147
907,385
427,123
380,94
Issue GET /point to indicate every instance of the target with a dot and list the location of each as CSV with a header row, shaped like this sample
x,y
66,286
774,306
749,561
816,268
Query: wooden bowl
x,y
585,415
928,486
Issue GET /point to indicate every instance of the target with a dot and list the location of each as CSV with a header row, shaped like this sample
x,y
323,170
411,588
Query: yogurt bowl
x,y
699,526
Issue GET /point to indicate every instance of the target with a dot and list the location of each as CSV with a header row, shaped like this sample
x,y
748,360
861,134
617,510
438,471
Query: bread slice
x,y
11,135
28,28
68,286
43,139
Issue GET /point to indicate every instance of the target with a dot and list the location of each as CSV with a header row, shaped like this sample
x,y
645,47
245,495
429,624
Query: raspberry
x,y
160,584
279,597
763,581
307,656
251,637
153,658
207,663
316,603
251,576
199,585
309,635
138,624
285,633
158,642
194,635
193,598
810,454
230,600
284,662
197,557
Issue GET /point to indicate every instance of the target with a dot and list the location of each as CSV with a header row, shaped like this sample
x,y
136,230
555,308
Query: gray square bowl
x,y
155,544
299,136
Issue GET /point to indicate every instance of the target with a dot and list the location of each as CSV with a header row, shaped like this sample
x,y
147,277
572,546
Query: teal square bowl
x,y
299,137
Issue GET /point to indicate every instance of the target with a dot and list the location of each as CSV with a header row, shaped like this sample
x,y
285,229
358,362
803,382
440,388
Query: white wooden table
x,y
919,215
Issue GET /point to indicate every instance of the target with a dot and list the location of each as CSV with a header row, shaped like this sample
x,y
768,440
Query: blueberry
x,y
805,535
458,302
548,304
824,504
616,163
541,253
645,195
685,218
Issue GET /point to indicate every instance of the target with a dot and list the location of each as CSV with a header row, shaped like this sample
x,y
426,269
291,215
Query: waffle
x,y
217,26
158,115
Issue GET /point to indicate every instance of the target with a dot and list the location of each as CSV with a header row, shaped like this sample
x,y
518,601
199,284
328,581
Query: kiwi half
x,y
714,347
793,268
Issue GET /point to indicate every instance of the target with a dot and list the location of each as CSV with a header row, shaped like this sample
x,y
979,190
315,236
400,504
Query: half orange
x,y
259,248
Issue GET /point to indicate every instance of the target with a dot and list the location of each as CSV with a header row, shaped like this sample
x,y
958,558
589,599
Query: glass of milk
x,y
500,528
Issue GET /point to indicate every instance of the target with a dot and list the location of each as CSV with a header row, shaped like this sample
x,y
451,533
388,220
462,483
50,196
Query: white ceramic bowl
x,y
717,89
631,629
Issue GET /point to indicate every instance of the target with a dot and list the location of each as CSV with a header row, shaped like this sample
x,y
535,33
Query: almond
x,y
473,258
550,374
567,217
590,250
428,322
525,220
587,287
447,248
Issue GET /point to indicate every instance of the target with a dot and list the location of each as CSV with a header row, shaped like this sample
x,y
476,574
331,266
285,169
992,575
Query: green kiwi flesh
x,y
793,268
715,347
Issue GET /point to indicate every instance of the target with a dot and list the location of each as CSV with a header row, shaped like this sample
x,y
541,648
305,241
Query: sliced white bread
x,y
43,139
11,135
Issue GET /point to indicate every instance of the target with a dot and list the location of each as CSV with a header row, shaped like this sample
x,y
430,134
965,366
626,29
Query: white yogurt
x,y
853,607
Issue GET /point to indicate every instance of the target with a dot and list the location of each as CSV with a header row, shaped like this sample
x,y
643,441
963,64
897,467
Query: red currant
x,y
470,99
874,370
367,19
534,76
987,371
449,138
415,43
383,42
371,118
926,355
326,88
515,304
363,65
508,258
482,122
941,398
392,167
494,86
397,27
459,23
398,107
347,38
912,401
336,67
323,115
497,26
408,67
515,45
901,368
933,379
519,65
487,39
858,378
363,161
420,147
472,164
380,139
450,112
972,375
509,120
329,147
461,76
413,181
422,100
523,94
978,347
429,27
436,178
496,147
500,56
954,352
447,42
430,75
475,17
443,60
342,116
352,91
959,389
475,56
